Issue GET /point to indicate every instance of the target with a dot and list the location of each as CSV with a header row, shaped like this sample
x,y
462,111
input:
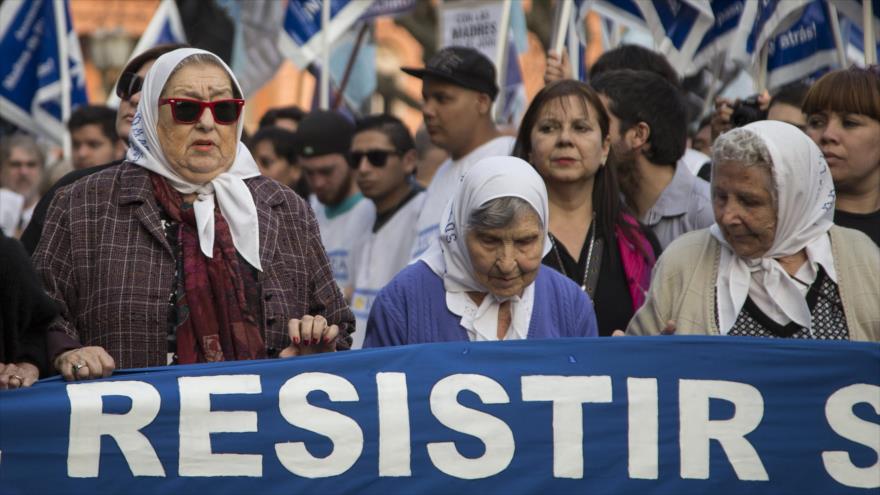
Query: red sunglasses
x,y
188,111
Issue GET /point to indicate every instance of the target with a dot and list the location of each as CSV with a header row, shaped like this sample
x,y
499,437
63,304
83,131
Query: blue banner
x,y
32,75
677,415
725,33
678,27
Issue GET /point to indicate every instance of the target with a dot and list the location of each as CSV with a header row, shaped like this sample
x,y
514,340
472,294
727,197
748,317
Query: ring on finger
x,y
19,378
78,366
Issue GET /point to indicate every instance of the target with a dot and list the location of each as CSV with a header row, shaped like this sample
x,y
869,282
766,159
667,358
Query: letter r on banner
x,y
88,423
696,429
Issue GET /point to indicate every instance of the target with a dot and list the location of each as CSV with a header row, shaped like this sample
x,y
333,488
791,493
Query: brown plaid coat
x,y
104,258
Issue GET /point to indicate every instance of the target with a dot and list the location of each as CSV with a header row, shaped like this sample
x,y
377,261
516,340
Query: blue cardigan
x,y
411,309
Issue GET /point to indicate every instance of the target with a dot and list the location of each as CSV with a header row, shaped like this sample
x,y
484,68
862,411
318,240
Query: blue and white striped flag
x,y
727,36
678,27
300,38
803,51
41,66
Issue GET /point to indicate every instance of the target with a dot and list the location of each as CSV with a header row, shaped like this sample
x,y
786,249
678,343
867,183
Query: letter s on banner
x,y
839,412
696,429
346,435
197,422
493,432
88,423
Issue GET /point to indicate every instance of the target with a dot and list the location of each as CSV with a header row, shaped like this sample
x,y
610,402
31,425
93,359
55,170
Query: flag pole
x,y
63,74
340,94
869,35
561,17
835,31
325,55
501,56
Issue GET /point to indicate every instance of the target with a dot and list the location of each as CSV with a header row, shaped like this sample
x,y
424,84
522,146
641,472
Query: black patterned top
x,y
826,308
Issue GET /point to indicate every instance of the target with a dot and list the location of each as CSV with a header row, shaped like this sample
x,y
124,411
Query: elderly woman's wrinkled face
x,y
506,260
567,143
744,207
197,152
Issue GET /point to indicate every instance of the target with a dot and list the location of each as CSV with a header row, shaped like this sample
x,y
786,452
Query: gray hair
x,y
746,148
203,59
501,212
20,140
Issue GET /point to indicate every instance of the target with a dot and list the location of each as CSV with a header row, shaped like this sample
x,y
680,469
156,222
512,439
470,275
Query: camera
x,y
747,111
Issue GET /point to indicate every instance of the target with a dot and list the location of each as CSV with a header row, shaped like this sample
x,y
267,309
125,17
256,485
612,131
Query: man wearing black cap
x,y
458,88
344,217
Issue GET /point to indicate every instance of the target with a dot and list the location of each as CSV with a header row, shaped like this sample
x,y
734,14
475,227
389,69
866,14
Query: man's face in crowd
x,y
329,177
378,181
22,172
91,147
451,113
790,114
622,157
271,165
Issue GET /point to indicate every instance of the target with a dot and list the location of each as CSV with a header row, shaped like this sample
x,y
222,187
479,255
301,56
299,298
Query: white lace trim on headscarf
x,y
232,194
805,197
488,179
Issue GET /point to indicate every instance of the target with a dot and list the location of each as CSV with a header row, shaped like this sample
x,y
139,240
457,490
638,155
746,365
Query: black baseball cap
x,y
324,132
462,66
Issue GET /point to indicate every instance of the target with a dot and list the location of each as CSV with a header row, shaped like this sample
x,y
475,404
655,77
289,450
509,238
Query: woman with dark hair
x,y
564,135
843,119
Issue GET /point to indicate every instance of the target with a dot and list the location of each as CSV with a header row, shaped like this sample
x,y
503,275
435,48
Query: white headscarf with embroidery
x,y
227,189
805,213
490,178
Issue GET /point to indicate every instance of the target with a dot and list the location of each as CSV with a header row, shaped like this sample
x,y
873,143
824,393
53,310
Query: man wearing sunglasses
x,y
383,157
128,89
344,217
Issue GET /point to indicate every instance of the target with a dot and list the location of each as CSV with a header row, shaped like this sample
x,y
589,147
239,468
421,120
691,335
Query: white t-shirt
x,y
444,184
693,160
11,205
385,253
342,234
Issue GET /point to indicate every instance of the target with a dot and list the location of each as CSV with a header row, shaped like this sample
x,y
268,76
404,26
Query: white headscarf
x,y
233,196
805,197
490,178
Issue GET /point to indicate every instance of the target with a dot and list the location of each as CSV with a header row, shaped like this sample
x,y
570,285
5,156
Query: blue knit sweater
x,y
411,309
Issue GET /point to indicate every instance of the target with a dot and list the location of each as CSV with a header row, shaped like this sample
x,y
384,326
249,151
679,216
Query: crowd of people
x,y
178,239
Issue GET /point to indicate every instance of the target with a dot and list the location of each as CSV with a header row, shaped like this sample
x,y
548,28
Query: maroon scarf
x,y
216,323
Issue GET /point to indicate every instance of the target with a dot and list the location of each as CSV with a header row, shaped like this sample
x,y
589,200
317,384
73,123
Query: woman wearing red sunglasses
x,y
185,253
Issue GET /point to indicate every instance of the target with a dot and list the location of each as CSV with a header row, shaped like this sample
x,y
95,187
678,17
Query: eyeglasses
x,y
377,158
129,85
187,111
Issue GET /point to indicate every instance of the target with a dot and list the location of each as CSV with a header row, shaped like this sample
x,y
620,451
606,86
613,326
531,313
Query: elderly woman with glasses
x,y
185,253
484,280
773,264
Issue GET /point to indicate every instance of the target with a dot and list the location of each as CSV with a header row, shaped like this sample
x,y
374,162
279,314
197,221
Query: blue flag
x,y
726,34
806,50
33,77
165,27
300,40
678,27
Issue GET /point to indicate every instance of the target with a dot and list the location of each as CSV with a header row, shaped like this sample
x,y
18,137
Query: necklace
x,y
586,267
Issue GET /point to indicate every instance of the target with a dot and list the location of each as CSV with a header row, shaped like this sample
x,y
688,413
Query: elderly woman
x,y
185,253
774,264
484,281
843,118
595,241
